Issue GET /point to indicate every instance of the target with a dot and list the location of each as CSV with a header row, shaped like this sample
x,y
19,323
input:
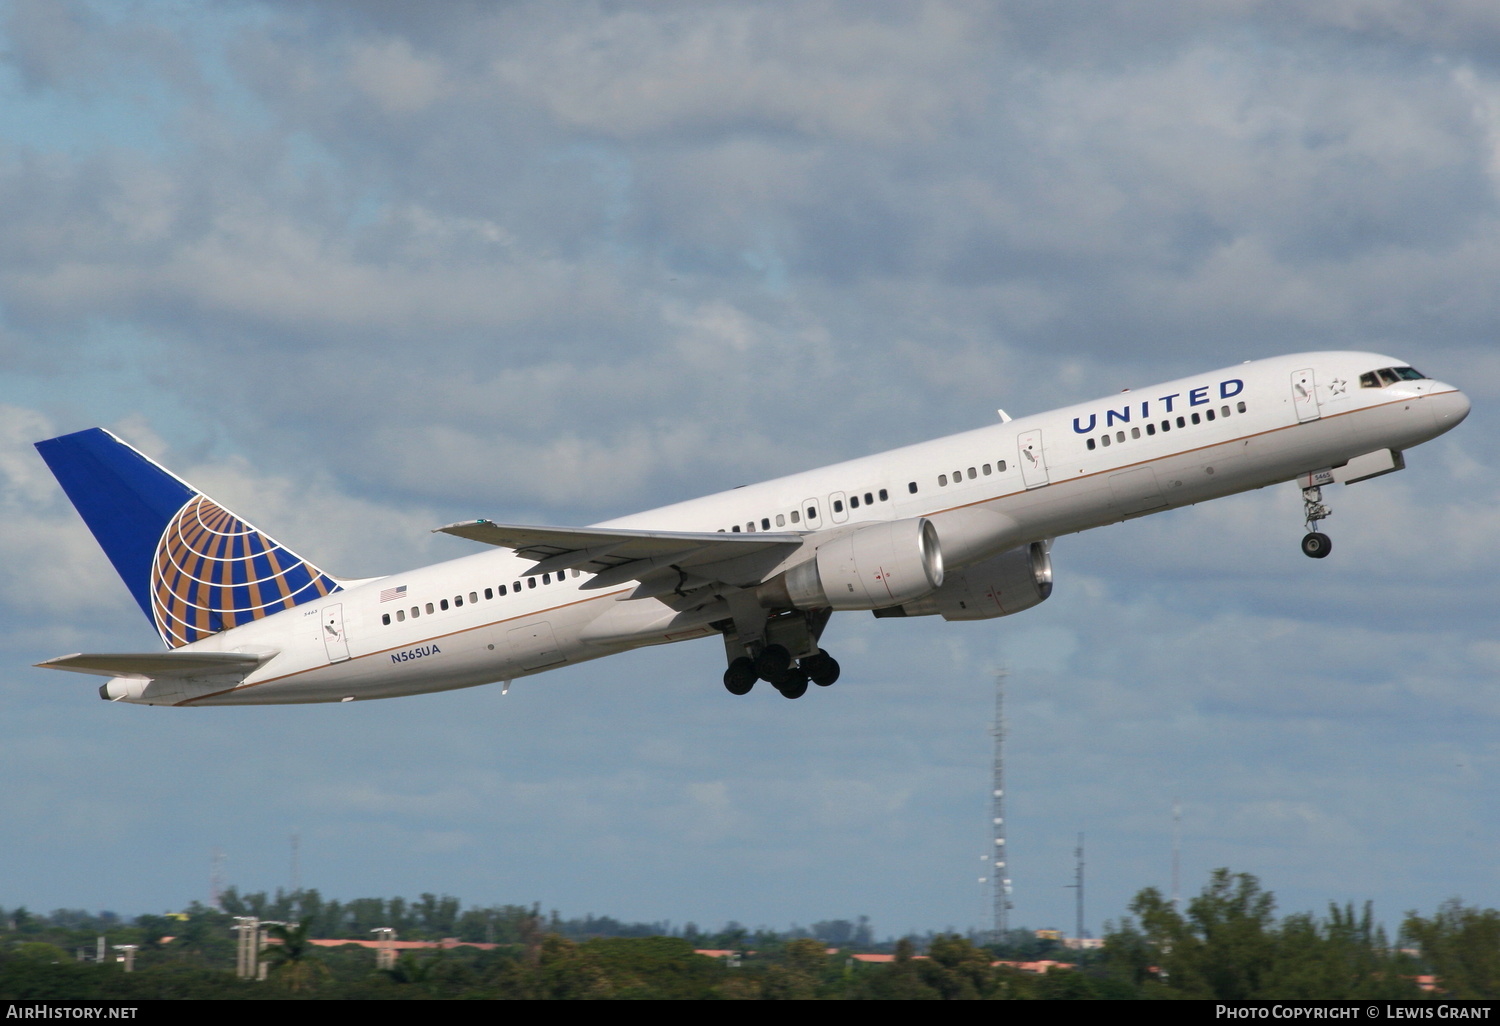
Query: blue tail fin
x,y
194,567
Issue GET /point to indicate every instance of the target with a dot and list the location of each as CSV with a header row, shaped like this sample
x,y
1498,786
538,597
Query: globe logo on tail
x,y
214,571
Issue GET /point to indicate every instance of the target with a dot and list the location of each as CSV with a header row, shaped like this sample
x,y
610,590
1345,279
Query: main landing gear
x,y
1315,543
774,666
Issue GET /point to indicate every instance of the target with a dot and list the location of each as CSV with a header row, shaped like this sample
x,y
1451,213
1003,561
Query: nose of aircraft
x,y
1449,407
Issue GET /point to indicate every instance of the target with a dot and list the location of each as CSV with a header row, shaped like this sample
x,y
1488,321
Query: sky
x,y
358,270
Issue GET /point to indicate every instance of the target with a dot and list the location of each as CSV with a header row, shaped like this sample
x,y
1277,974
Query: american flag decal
x,y
392,594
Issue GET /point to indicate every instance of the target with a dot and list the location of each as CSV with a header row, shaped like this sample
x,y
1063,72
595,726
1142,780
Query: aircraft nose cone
x,y
1450,409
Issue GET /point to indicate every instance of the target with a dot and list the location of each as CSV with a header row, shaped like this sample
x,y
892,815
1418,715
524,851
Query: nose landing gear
x,y
1315,543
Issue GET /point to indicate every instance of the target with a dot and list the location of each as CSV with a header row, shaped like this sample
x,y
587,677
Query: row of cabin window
x,y
838,504
458,600
812,513
765,522
958,475
1166,425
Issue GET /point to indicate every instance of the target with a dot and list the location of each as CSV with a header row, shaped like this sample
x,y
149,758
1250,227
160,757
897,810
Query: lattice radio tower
x,y
1000,869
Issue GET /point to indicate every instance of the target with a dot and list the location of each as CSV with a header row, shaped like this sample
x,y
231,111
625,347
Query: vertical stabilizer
x,y
193,566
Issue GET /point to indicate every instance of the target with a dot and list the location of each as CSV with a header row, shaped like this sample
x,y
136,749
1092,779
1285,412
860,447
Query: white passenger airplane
x,y
960,527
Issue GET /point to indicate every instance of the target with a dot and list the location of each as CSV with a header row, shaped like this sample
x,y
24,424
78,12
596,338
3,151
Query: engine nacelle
x,y
1001,585
875,566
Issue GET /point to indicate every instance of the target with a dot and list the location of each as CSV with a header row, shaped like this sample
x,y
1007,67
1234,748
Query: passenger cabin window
x,y
781,519
853,503
765,523
942,480
911,486
795,517
884,495
838,505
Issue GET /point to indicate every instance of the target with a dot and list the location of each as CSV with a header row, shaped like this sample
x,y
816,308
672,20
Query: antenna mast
x,y
1000,873
216,878
1176,853
1078,886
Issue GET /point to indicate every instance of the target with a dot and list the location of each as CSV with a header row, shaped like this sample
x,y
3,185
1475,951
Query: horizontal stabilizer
x,y
155,665
617,555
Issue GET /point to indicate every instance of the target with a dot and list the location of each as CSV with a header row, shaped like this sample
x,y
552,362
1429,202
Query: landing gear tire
x,y
741,676
772,664
822,669
794,685
1316,544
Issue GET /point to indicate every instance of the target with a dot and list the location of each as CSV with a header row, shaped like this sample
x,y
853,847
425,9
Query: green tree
x,y
1462,945
293,960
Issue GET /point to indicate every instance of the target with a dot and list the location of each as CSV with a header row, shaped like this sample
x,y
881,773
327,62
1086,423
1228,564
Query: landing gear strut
x,y
1315,543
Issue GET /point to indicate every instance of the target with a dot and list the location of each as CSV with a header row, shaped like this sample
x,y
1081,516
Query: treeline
x,y
431,917
1226,943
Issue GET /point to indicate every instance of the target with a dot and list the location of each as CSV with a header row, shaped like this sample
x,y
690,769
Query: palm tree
x,y
292,958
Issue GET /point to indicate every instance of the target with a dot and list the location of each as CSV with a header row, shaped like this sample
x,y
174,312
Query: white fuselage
x,y
1049,474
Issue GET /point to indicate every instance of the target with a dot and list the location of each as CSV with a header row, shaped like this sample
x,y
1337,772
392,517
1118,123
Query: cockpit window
x,y
1389,376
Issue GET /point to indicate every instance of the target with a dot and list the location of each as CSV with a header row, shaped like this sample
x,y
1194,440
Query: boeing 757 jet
x,y
961,527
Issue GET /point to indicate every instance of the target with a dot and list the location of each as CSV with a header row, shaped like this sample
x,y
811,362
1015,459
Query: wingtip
x,y
450,528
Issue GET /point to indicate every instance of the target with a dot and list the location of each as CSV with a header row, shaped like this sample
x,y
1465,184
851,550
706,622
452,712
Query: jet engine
x,y
1017,579
869,568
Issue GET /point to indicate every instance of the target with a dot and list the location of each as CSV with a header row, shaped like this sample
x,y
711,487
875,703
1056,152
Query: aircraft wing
x,y
617,556
155,665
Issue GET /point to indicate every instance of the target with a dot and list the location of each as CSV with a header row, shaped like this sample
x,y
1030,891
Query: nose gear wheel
x,y
1315,543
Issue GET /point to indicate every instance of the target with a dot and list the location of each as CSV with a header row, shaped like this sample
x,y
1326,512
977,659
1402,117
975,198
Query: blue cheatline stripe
x,y
193,566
